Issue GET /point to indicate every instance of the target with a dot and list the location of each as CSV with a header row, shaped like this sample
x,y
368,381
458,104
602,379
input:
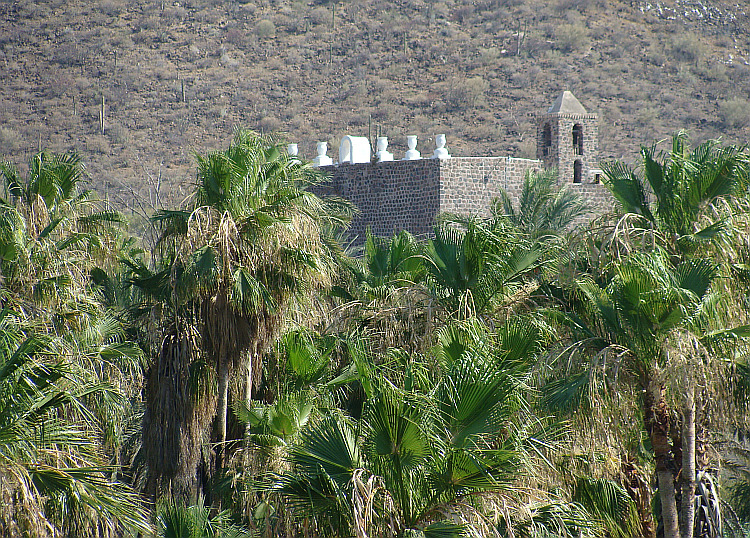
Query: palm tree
x,y
390,263
252,241
419,452
542,209
674,192
52,233
52,463
643,315
476,268
54,238
687,201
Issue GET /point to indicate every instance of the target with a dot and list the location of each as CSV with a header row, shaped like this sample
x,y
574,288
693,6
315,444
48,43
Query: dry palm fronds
x,y
363,498
179,406
365,492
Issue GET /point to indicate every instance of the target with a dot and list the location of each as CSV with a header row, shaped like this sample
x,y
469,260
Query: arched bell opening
x,y
578,139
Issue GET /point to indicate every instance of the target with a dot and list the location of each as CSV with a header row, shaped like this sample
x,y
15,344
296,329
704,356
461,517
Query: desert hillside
x,y
177,76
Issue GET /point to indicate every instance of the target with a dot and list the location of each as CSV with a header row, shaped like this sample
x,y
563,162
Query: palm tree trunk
x,y
687,510
222,411
668,502
657,425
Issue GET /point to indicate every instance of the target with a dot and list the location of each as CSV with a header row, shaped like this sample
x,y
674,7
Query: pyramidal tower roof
x,y
566,103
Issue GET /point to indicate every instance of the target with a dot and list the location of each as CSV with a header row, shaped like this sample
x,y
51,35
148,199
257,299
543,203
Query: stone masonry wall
x,y
408,195
597,197
468,185
391,196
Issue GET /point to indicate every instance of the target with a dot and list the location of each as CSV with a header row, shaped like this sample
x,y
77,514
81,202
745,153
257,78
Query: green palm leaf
x,y
610,503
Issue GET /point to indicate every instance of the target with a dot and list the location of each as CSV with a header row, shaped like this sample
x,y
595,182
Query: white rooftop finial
x,y
322,159
383,154
412,154
440,151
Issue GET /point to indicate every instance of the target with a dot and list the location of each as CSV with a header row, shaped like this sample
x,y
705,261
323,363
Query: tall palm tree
x,y
638,315
251,241
690,201
54,237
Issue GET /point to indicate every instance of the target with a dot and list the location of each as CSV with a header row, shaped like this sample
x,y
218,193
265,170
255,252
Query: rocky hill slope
x,y
176,76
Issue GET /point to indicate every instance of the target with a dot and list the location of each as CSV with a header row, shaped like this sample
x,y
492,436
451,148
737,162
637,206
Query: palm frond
x,y
610,503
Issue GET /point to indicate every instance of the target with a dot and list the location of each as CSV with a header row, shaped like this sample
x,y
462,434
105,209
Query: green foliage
x,y
348,434
684,184
265,28
173,521
543,208
571,38
427,449
609,503
645,300
739,495
278,423
555,519
49,447
389,264
475,268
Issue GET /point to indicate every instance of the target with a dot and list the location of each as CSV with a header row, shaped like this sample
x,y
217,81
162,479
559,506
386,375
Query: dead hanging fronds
x,y
694,368
689,362
227,237
466,307
226,333
21,508
519,300
470,518
180,403
632,233
396,317
37,215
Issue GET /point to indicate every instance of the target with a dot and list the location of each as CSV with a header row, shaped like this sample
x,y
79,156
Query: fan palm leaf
x,y
610,503
543,209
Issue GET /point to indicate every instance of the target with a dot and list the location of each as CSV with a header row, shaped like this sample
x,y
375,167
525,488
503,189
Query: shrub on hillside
x,y
571,37
686,47
10,140
734,112
118,134
265,28
112,8
466,93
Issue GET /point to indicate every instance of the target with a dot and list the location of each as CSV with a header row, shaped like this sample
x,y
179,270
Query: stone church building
x,y
394,195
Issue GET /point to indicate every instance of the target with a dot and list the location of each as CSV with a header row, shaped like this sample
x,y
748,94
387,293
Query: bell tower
x,y
567,139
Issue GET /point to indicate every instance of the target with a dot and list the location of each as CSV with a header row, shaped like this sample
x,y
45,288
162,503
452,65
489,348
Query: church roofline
x,y
568,115
567,103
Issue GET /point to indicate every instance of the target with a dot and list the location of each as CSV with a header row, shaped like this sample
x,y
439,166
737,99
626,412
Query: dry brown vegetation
x,y
176,76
